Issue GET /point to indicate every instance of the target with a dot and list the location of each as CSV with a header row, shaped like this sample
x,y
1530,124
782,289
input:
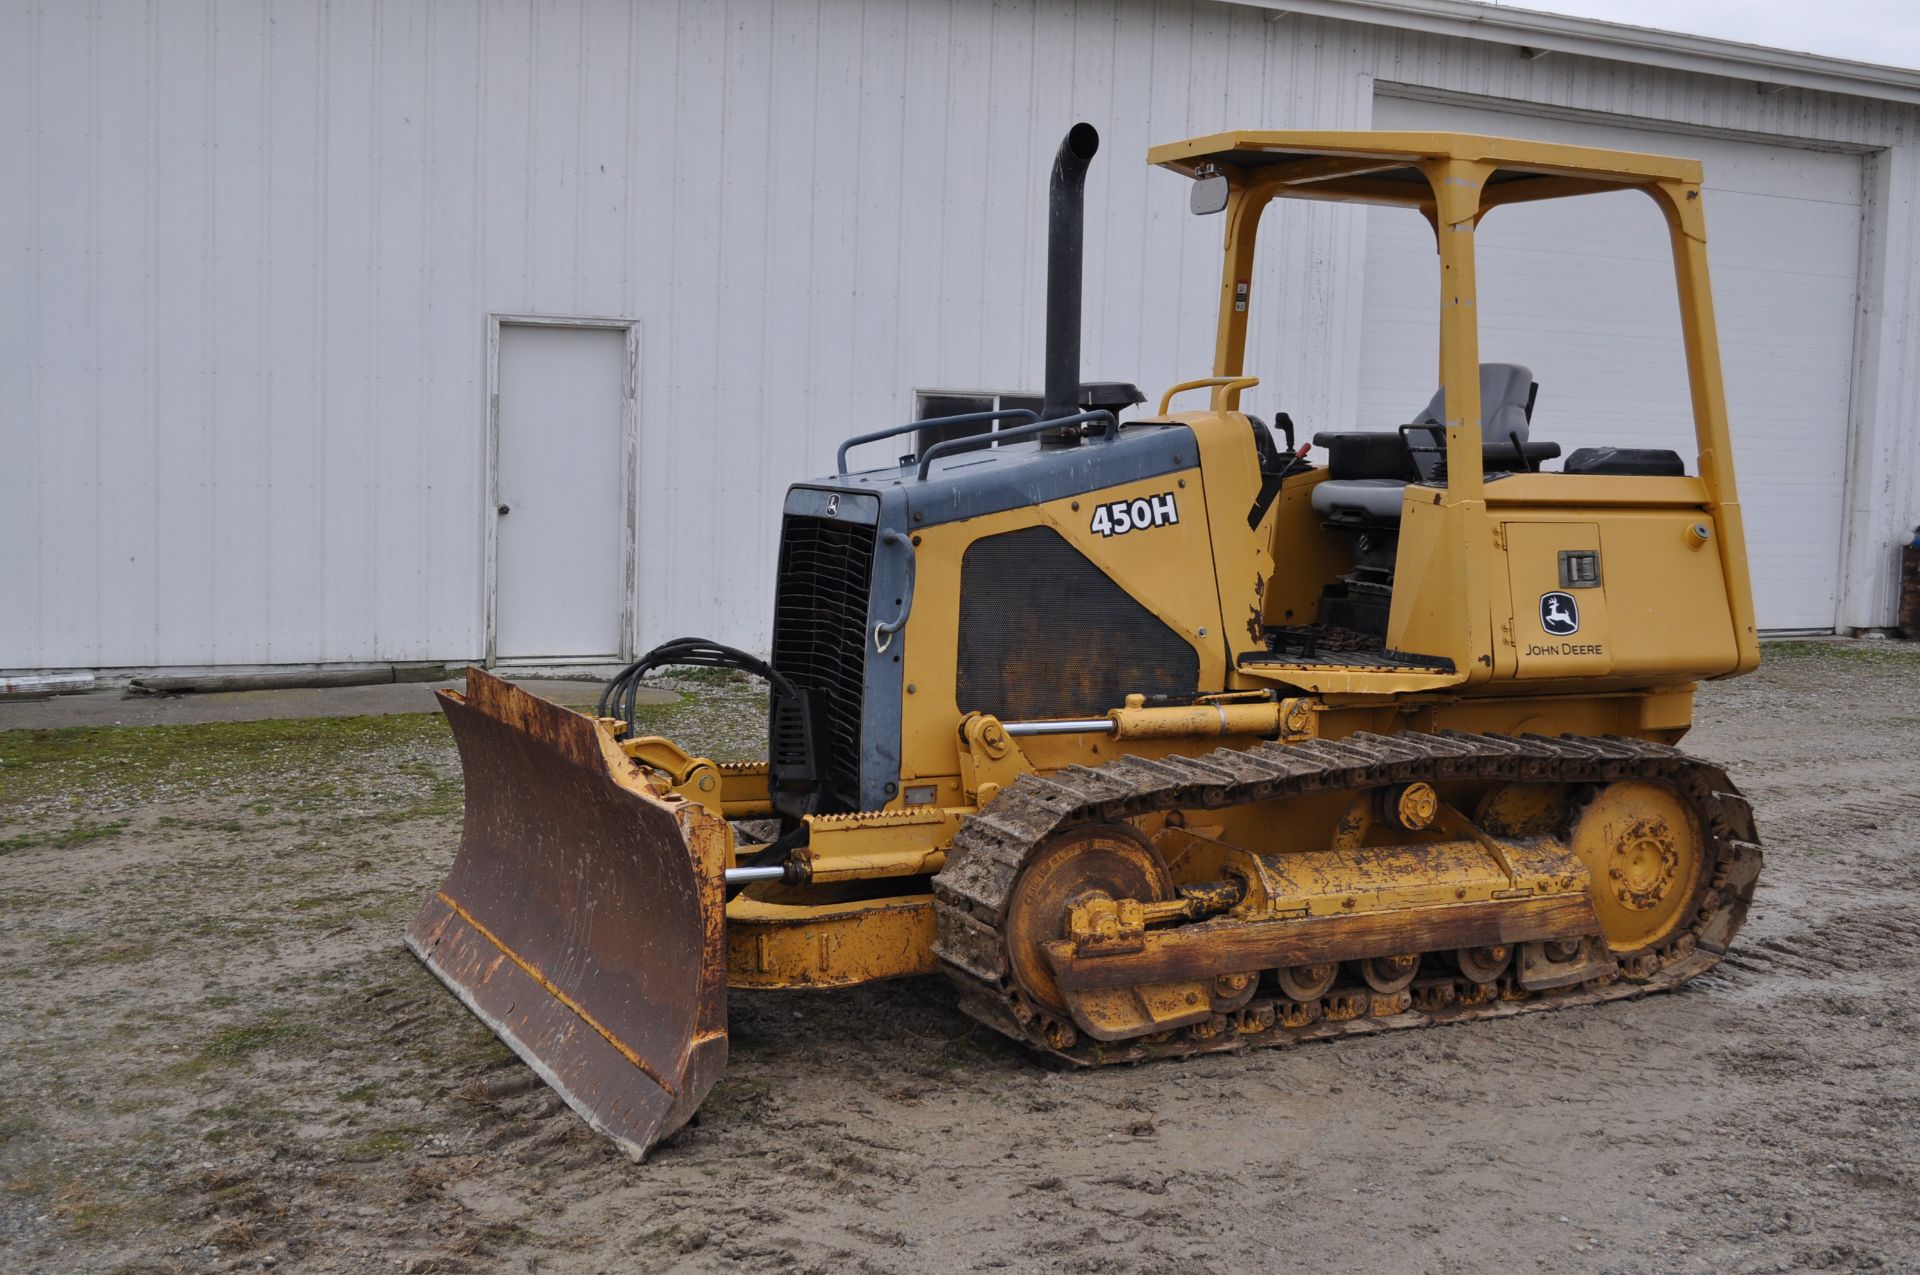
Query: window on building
x,y
929,404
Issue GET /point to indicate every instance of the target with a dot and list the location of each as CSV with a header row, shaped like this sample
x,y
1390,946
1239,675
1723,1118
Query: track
x,y
972,892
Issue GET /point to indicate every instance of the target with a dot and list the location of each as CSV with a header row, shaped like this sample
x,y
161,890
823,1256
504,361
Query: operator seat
x,y
1367,470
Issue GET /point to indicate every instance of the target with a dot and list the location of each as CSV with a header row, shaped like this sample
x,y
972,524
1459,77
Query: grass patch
x,y
743,1098
78,835
710,677
14,1126
676,1238
443,799
89,1195
173,761
229,1111
381,1143
1863,651
392,767
121,953
399,908
476,1049
720,714
239,1043
83,1210
321,901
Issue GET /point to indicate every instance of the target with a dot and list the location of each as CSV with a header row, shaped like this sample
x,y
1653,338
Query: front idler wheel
x,y
1109,859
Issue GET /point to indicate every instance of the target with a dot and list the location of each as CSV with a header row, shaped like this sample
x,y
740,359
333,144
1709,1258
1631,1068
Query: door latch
x,y
1579,568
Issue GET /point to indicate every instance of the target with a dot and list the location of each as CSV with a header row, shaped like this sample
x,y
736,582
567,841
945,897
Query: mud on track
x,y
215,1055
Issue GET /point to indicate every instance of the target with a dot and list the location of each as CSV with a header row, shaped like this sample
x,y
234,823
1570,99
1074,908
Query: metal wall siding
x,y
255,245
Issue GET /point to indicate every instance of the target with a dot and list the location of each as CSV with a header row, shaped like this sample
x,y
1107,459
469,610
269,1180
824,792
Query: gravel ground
x,y
217,1056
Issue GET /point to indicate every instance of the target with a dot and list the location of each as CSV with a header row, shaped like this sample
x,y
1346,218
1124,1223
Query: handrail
x,y
951,445
884,631
965,418
1222,384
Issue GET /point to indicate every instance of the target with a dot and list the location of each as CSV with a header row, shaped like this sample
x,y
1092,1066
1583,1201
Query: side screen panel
x,y
1046,633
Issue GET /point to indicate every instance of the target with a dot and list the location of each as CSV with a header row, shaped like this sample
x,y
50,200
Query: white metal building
x,y
300,298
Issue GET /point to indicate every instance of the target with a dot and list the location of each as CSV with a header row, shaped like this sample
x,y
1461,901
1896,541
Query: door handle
x,y
504,510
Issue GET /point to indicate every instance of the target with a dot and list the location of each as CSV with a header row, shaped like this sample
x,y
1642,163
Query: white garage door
x,y
1581,291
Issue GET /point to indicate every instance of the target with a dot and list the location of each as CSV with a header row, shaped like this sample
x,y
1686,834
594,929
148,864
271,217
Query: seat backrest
x,y
1506,397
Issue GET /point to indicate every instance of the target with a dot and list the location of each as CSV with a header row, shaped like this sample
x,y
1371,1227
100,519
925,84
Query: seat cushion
x,y
1504,456
1375,454
1377,498
1367,453
1646,461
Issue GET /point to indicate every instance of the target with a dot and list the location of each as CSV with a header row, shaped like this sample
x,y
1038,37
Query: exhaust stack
x,y
1066,231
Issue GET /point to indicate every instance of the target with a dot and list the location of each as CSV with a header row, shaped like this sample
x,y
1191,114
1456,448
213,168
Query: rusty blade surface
x,y
583,918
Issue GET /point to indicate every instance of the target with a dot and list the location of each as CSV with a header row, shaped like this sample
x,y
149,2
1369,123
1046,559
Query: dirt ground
x,y
215,1055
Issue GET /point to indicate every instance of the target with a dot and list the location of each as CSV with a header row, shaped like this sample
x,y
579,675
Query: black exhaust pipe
x,y
1066,231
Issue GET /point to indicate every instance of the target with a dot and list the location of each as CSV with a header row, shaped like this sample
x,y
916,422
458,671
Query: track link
x,y
972,892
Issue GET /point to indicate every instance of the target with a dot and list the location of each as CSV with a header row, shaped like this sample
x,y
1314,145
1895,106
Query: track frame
x,y
973,890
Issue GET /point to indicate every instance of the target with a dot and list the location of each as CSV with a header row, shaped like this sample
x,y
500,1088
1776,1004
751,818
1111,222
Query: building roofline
x,y
1590,37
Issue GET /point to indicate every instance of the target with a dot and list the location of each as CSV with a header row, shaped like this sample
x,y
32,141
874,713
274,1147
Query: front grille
x,y
820,635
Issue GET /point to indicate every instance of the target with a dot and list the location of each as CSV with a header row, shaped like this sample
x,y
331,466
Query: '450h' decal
x,y
1118,517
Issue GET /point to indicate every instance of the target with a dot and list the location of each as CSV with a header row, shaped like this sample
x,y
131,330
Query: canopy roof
x,y
1389,168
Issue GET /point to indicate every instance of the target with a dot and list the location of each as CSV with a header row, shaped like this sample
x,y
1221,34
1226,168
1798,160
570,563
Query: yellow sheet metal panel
x,y
1167,571
1325,679
1673,610
1242,560
1442,547
777,944
1543,709
881,843
1686,491
1656,603
1559,626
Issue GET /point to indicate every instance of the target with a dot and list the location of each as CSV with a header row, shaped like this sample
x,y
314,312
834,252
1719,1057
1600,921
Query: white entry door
x,y
561,521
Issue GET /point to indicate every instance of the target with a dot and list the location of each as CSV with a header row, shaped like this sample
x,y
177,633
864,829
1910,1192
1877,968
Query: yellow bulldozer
x,y
1152,736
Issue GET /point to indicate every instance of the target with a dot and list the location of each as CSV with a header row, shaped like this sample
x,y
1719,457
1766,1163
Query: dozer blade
x,y
583,919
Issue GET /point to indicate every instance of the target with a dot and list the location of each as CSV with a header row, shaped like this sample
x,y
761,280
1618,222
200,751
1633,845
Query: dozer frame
x,y
1211,816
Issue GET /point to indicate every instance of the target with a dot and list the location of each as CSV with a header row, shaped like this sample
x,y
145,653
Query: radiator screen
x,y
1046,633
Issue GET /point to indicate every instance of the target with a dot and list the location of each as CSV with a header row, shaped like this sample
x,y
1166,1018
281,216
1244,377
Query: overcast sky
x,y
1883,31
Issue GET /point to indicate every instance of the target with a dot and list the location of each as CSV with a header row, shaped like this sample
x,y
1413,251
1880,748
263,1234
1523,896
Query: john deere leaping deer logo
x,y
1559,614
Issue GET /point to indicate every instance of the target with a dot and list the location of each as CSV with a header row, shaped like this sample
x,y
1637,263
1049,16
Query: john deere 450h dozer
x,y
1152,737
